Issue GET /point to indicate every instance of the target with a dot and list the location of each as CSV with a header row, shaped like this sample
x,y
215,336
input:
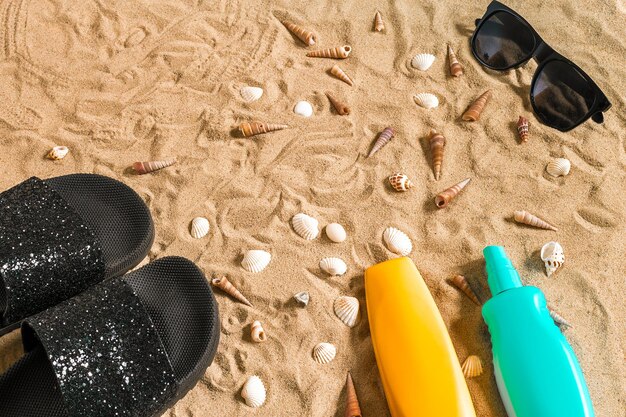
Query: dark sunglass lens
x,y
562,95
503,41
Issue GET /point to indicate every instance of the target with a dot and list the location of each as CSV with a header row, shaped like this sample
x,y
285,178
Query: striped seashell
x,y
559,167
339,73
525,217
523,126
257,333
422,62
256,260
151,166
303,108
309,38
250,94
353,409
397,241
57,153
347,310
400,182
461,283
558,319
426,100
379,25
324,353
224,284
199,227
385,136
444,197
248,129
475,109
341,108
553,257
437,143
305,226
455,68
253,392
333,266
302,298
340,52
472,367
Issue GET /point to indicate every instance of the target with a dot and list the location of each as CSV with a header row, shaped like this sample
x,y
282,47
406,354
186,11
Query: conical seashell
x,y
379,25
253,392
339,73
256,260
352,402
151,166
426,100
461,283
397,241
553,257
437,143
559,167
558,319
455,68
324,353
342,108
422,61
525,217
444,197
256,128
306,36
303,108
472,367
336,232
400,182
250,94
257,333
522,128
383,138
476,108
224,284
199,227
340,52
333,266
58,152
302,298
305,226
347,309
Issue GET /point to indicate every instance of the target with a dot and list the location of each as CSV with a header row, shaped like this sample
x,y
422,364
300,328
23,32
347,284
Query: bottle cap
x,y
501,275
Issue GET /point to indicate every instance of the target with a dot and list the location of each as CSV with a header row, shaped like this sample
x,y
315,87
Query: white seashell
x,y
199,227
256,260
257,333
302,298
333,266
324,353
336,232
58,152
426,100
305,226
553,257
250,94
559,167
347,309
422,61
397,241
303,108
253,392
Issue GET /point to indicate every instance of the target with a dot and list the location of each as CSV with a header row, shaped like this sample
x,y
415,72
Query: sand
x,y
119,82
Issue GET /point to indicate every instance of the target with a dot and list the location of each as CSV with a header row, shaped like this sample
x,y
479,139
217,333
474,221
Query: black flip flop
x,y
62,235
128,347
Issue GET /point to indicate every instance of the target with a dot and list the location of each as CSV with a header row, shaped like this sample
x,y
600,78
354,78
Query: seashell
x,y
455,68
303,108
426,100
340,52
422,61
339,73
253,392
383,138
461,283
347,309
559,167
257,333
522,128
437,143
397,241
324,353
379,25
305,226
342,108
336,232
256,260
553,257
333,266
199,227
472,367
250,94
444,197
558,319
58,152
525,217
151,166
352,402
224,284
256,128
400,182
302,298
476,108
306,36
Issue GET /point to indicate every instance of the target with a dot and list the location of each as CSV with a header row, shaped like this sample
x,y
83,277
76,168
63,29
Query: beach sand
x,y
119,82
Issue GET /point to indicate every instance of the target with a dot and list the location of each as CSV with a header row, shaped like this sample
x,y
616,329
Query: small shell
x,y
324,353
553,257
397,241
306,36
523,126
250,94
559,167
400,182
461,283
305,226
248,129
303,108
333,266
475,109
443,198
341,107
456,70
336,232
199,227
383,138
253,392
340,52
422,61
437,144
426,100
58,152
525,217
339,73
379,25
347,309
224,284
472,367
558,319
257,333
151,166
353,409
256,260
302,298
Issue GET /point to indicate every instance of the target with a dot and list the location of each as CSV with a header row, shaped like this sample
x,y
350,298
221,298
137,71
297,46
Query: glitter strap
x,y
106,353
47,253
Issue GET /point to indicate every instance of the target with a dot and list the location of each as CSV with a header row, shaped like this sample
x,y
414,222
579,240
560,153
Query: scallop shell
x,y
422,61
426,100
257,333
553,257
303,108
336,232
199,227
472,367
253,392
305,226
559,167
400,182
397,241
302,298
347,309
324,353
256,260
58,152
333,266
250,94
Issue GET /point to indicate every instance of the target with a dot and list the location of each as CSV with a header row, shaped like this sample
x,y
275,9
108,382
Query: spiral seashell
x,y
333,266
324,353
303,108
302,298
455,68
437,143
444,197
385,136
248,129
342,108
553,257
476,108
340,52
305,226
558,319
347,310
397,241
306,36
400,182
339,73
253,392
522,128
151,166
379,25
256,260
336,232
422,62
353,408
199,227
58,152
224,284
426,100
559,167
250,94
525,217
461,283
472,367
257,333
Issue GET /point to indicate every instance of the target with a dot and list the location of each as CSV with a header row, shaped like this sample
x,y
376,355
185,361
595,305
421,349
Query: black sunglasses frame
x,y
543,54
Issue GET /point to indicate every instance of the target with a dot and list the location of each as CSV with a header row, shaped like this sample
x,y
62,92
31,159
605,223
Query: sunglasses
x,y
562,95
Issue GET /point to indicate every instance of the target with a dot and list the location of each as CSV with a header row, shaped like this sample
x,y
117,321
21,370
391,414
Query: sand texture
x,y
121,81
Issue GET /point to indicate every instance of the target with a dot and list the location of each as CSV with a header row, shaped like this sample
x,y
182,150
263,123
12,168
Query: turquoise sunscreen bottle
x,y
536,370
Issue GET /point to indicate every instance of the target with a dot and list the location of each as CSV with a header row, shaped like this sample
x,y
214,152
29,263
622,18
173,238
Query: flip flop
x,y
62,235
128,347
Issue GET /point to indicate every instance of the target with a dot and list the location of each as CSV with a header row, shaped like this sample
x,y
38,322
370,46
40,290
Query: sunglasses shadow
x,y
465,30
